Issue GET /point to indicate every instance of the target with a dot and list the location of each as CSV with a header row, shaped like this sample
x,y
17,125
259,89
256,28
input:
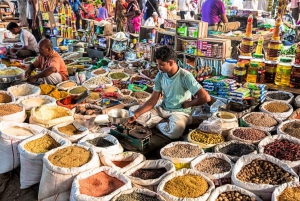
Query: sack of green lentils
x,y
290,127
260,120
295,114
216,166
138,194
29,102
278,109
49,116
283,147
286,192
99,184
6,97
11,134
12,112
230,191
279,96
149,173
71,130
32,151
122,162
101,142
248,135
61,165
272,173
235,149
185,185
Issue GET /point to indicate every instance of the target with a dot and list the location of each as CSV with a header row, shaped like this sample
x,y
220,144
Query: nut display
x,y
277,107
249,134
234,196
182,151
213,165
261,119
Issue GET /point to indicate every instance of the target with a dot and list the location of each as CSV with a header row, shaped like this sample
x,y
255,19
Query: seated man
x,y
52,66
177,87
29,45
211,12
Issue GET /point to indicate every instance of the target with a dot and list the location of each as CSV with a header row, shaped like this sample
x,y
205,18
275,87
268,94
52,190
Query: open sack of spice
x,y
261,174
12,112
32,151
101,142
285,192
71,130
6,97
24,90
248,135
66,85
228,192
279,96
185,185
260,120
61,165
204,139
290,128
122,162
216,166
11,135
69,102
284,148
278,109
149,173
138,194
85,114
29,102
99,184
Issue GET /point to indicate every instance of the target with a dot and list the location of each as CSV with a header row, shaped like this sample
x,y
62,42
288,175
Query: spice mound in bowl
x,y
8,109
69,129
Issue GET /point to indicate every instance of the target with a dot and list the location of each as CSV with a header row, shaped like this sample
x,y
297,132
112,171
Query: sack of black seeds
x,y
279,95
137,194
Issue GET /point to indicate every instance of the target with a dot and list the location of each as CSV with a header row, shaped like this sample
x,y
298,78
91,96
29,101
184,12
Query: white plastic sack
x,y
295,114
49,116
182,172
72,138
9,154
151,184
61,87
276,92
18,117
282,116
139,190
217,179
281,188
64,196
28,101
231,136
114,149
13,99
58,179
297,101
75,192
227,188
24,90
32,163
280,130
293,164
262,190
136,159
225,144
272,128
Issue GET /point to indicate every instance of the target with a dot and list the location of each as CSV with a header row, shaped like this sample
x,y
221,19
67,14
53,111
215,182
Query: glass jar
x,y
283,72
259,59
239,73
274,50
270,72
246,46
245,59
252,73
295,76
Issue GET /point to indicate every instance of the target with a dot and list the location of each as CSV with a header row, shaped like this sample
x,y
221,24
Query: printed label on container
x,y
238,72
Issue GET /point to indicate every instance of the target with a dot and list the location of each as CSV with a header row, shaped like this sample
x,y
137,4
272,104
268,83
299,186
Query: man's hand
x,y
32,79
186,104
132,119
33,25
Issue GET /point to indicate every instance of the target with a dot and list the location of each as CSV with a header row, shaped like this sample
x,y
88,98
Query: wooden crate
x,y
145,33
161,33
202,28
180,42
170,24
226,43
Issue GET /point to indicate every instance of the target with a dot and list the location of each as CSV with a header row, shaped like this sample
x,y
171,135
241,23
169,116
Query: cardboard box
x,y
202,28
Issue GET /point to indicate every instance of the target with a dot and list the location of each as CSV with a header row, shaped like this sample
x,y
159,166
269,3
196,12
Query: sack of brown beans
x,y
6,97
284,148
11,135
295,114
49,116
86,114
231,192
187,185
12,112
290,127
149,173
279,96
181,154
101,142
122,162
248,135
286,192
19,91
32,151
138,194
99,184
216,166
235,149
61,165
71,130
278,109
261,174
260,120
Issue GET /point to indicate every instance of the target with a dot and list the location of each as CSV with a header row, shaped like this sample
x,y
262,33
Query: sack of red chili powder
x,y
286,192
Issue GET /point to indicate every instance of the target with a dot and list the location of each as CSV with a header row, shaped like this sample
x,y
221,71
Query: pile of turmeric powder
x,y
52,91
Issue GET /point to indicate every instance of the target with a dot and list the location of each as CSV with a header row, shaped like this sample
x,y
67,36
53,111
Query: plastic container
x,y
228,67
270,72
274,48
246,46
245,59
240,73
252,73
283,72
295,76
259,59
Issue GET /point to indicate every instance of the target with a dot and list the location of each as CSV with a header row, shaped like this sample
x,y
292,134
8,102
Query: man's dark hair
x,y
103,4
165,54
12,25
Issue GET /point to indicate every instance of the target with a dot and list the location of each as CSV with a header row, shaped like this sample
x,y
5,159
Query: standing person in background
x,y
295,7
75,5
120,19
32,18
183,6
137,21
102,13
163,11
109,6
152,6
130,13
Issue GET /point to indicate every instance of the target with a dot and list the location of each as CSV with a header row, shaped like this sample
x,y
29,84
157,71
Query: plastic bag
x,y
211,126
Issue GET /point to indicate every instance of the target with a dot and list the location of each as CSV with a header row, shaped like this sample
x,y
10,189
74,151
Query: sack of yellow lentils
x,y
71,130
61,165
32,151
286,192
187,185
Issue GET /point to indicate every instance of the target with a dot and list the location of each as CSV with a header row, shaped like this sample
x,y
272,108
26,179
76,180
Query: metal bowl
x,y
118,116
6,82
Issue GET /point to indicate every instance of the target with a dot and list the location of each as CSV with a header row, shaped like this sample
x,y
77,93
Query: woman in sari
x,y
120,18
132,6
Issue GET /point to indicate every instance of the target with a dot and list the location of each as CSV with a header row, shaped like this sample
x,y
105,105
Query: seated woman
x,y
153,21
